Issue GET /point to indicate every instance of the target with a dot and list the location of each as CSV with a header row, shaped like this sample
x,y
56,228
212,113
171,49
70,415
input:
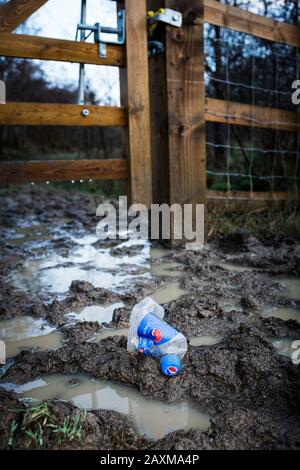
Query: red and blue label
x,y
155,329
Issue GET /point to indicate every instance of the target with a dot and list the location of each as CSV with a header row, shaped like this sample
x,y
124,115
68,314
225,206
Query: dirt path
x,y
250,390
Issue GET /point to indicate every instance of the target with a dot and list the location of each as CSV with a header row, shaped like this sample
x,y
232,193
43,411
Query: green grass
x,y
264,222
38,422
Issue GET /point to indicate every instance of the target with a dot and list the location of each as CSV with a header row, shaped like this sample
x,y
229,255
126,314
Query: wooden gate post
x,y
178,108
135,96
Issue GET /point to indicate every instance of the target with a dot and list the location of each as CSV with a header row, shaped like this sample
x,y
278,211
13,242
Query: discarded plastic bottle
x,y
150,335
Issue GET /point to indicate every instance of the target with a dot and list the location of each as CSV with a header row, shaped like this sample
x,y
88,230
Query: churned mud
x,y
66,299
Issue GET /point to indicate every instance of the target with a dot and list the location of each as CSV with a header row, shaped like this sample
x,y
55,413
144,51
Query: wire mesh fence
x,y
244,69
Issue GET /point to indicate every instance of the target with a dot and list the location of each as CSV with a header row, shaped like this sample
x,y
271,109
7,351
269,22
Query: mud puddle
x,y
291,285
98,313
23,327
109,332
55,273
152,418
204,340
36,232
236,268
169,292
285,313
24,333
42,343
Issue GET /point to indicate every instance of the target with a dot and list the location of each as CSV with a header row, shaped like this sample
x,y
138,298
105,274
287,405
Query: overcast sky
x,y
58,19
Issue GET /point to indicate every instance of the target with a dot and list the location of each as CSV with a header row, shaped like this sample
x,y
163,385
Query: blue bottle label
x,y
154,328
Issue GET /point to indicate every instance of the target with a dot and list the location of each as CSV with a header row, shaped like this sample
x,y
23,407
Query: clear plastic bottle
x,y
150,335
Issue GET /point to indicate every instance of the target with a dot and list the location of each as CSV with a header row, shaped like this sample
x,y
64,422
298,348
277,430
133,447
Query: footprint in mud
x,y
152,418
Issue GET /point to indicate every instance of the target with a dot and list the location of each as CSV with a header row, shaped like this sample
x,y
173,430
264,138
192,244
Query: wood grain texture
x,y
230,112
34,47
15,12
62,170
243,21
186,106
138,102
50,114
159,119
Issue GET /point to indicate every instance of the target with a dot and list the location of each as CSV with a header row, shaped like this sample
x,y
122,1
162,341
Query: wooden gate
x,y
132,59
175,170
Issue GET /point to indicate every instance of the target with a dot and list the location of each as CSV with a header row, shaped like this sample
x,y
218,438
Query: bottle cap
x,y
170,365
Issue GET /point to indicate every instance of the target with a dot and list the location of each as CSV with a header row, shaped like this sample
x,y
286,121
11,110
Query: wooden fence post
x,y
135,95
178,109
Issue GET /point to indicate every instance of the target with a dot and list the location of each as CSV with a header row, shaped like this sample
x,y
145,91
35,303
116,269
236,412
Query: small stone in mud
x,y
81,286
249,303
73,383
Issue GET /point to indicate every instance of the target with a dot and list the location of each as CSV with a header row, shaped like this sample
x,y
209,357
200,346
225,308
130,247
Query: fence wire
x,y
272,143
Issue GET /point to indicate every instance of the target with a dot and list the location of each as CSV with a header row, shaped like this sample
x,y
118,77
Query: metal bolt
x,y
85,113
175,17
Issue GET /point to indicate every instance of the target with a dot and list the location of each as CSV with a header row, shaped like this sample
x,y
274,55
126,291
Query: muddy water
x,y
23,333
235,268
108,332
166,269
204,340
153,418
169,292
85,263
157,253
285,313
292,287
285,346
20,328
99,313
42,343
35,233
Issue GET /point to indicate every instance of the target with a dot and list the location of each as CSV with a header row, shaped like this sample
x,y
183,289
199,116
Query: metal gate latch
x,y
163,15
99,30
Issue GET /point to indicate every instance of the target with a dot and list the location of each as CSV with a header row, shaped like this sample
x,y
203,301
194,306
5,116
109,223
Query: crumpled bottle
x,y
150,335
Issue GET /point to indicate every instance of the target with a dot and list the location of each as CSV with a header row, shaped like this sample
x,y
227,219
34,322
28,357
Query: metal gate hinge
x,y
99,30
163,15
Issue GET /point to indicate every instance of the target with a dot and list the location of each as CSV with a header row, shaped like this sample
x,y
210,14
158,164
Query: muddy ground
x,y
250,391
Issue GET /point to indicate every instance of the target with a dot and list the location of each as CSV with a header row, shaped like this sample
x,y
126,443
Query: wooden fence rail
x,y
62,170
135,116
34,47
178,106
250,23
52,114
229,112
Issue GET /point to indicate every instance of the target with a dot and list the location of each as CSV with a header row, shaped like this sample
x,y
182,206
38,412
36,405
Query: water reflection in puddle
x,y
85,263
204,340
285,313
153,418
284,346
99,313
23,327
23,333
